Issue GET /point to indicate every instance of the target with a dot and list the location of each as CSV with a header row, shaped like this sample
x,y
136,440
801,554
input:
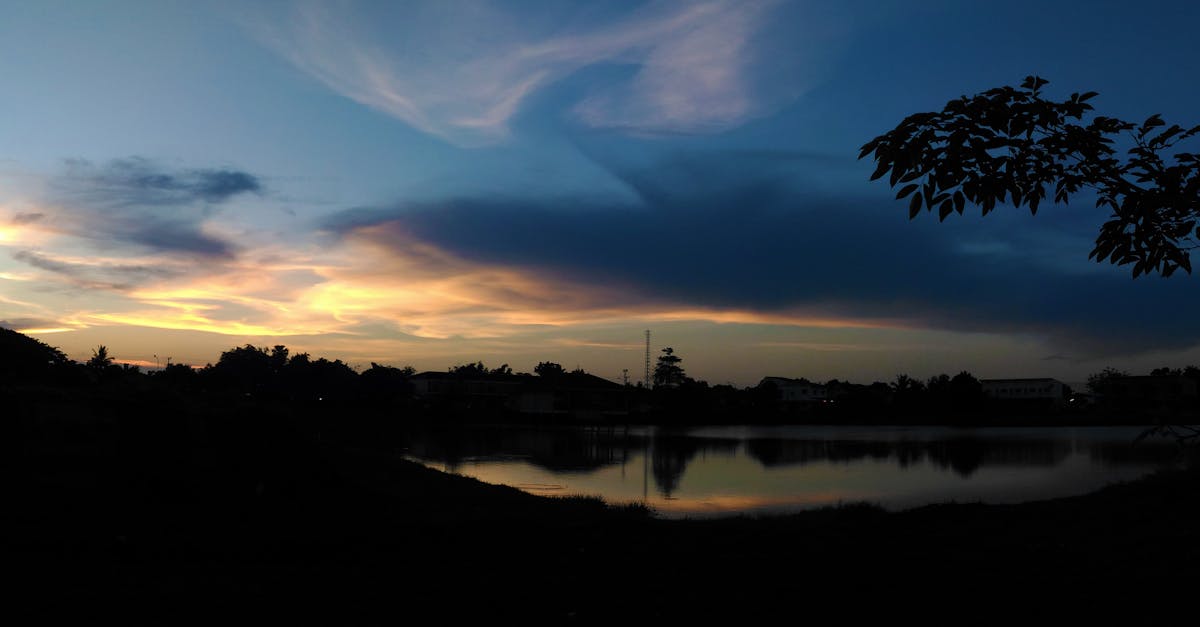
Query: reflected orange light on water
x,y
728,503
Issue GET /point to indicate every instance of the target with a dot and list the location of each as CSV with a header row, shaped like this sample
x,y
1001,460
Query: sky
x,y
436,183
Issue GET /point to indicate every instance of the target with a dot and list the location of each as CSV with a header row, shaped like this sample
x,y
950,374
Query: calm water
x,y
753,470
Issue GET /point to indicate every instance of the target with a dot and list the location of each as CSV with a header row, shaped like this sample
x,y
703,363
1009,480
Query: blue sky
x,y
433,183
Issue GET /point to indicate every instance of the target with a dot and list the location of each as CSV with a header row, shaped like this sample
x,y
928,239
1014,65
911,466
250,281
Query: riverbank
x,y
354,535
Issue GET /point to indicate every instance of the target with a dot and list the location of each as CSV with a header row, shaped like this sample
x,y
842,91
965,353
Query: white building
x,y
1045,390
798,391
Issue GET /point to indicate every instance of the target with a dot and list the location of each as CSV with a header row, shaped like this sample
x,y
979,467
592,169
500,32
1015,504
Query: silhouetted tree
x,y
905,384
279,358
179,375
668,372
299,360
548,369
908,394
385,382
476,369
319,379
100,359
248,368
1012,144
1102,382
389,372
966,392
24,358
939,385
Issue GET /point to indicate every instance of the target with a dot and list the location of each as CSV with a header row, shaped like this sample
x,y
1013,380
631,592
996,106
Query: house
x,y
573,395
474,391
1032,391
796,392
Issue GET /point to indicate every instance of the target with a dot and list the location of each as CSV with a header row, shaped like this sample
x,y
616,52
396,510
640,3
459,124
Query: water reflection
x,y
670,455
559,450
774,469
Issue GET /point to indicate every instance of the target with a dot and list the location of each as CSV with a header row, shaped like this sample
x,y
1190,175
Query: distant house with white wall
x,y
1051,391
797,392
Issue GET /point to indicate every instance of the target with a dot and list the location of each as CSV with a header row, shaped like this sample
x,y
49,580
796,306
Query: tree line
x,y
280,374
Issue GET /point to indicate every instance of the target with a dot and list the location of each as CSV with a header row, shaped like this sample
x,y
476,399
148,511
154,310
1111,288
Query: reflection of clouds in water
x,y
749,473
725,504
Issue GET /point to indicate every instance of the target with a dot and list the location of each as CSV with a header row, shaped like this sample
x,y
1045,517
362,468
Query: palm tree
x,y
100,358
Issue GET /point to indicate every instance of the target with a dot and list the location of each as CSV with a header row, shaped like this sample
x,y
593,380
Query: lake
x,y
764,470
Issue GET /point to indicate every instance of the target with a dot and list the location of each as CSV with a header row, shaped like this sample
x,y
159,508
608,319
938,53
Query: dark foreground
x,y
217,522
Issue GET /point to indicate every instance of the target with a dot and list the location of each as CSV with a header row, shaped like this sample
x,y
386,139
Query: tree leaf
x,y
945,209
914,206
906,190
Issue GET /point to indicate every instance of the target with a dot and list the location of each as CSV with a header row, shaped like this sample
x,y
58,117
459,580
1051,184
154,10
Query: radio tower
x,y
646,382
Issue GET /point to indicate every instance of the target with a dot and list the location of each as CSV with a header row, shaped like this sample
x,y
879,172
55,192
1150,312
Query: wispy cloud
x,y
462,71
92,273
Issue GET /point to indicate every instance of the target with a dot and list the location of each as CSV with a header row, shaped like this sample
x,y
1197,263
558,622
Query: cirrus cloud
x,y
462,71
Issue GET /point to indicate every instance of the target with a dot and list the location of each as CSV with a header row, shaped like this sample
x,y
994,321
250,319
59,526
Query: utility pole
x,y
646,381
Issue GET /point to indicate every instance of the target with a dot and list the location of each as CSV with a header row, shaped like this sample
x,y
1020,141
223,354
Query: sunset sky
x,y
431,183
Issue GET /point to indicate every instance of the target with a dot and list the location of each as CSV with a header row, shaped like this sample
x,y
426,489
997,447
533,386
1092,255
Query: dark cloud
x,y
137,181
27,218
27,323
219,185
176,236
136,201
40,261
107,276
748,233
